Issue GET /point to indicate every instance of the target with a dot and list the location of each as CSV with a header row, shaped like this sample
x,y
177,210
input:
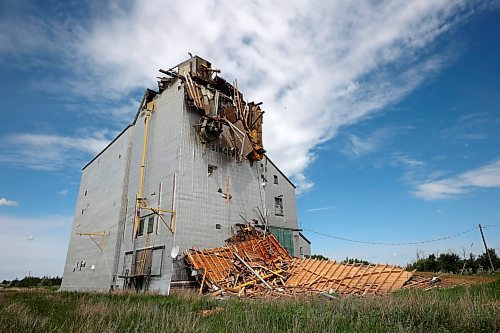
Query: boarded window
x,y
141,227
156,261
278,206
151,224
276,179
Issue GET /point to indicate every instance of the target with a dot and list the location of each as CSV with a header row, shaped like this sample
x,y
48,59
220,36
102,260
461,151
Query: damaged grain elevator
x,y
189,168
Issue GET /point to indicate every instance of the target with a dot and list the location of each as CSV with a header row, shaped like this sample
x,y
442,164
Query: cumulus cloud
x,y
487,176
7,202
317,66
49,151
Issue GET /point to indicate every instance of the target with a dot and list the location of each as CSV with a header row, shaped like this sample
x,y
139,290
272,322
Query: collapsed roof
x,y
254,264
225,115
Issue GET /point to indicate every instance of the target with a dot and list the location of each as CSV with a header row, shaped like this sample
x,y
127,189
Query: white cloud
x,y
319,209
487,176
317,66
50,151
7,202
36,244
358,146
63,192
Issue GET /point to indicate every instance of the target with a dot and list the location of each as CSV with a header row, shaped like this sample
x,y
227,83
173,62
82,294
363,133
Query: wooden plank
x,y
350,280
331,286
375,279
368,276
383,281
364,268
327,265
329,275
395,280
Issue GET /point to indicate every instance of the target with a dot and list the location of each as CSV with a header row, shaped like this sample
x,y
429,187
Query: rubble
x,y
225,115
254,264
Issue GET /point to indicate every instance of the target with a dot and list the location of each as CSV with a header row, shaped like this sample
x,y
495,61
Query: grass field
x,y
459,309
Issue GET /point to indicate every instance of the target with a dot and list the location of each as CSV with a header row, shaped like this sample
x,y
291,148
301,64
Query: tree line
x,y
443,262
452,262
33,281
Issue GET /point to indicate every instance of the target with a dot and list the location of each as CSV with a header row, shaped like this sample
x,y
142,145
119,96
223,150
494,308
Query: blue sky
x,y
385,114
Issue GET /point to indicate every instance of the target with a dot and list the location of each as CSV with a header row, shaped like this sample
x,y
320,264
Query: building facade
x,y
183,174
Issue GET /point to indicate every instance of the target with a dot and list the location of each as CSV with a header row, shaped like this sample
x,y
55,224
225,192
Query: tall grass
x,y
475,309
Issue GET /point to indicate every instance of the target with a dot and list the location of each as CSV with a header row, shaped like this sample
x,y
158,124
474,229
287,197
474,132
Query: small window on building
x,y
82,211
217,226
85,192
276,179
151,224
278,205
300,250
141,227
211,169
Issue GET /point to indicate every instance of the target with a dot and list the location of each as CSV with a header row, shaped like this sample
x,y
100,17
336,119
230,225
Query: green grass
x,y
474,309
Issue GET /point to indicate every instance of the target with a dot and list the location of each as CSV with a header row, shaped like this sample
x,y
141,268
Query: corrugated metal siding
x,y
102,205
174,149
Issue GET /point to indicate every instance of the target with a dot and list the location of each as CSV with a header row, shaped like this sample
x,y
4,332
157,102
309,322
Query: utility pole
x,y
486,247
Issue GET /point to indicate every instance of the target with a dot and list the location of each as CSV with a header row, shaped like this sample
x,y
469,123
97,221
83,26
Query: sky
x,y
385,114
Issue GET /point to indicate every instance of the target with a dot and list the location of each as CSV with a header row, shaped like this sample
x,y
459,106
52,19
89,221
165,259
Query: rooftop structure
x,y
185,173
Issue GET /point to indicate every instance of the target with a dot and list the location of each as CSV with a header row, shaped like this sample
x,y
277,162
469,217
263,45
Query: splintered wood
x,y
256,265
353,279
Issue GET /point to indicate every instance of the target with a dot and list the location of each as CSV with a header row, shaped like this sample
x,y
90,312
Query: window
x,y
217,226
141,227
211,169
151,223
278,205
276,179
300,250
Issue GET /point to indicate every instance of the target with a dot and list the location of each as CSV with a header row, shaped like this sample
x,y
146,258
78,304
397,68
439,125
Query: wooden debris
x,y
254,264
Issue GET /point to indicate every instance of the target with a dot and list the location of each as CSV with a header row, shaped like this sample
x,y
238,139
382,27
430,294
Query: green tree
x,y
484,261
356,261
319,257
449,262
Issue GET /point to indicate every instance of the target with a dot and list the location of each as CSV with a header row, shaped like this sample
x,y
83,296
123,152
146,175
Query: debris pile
x,y
254,264
423,282
226,118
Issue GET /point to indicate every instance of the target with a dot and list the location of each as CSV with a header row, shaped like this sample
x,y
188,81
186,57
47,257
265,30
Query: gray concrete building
x,y
188,169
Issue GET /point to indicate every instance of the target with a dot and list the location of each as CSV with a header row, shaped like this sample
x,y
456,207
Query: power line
x,y
402,243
